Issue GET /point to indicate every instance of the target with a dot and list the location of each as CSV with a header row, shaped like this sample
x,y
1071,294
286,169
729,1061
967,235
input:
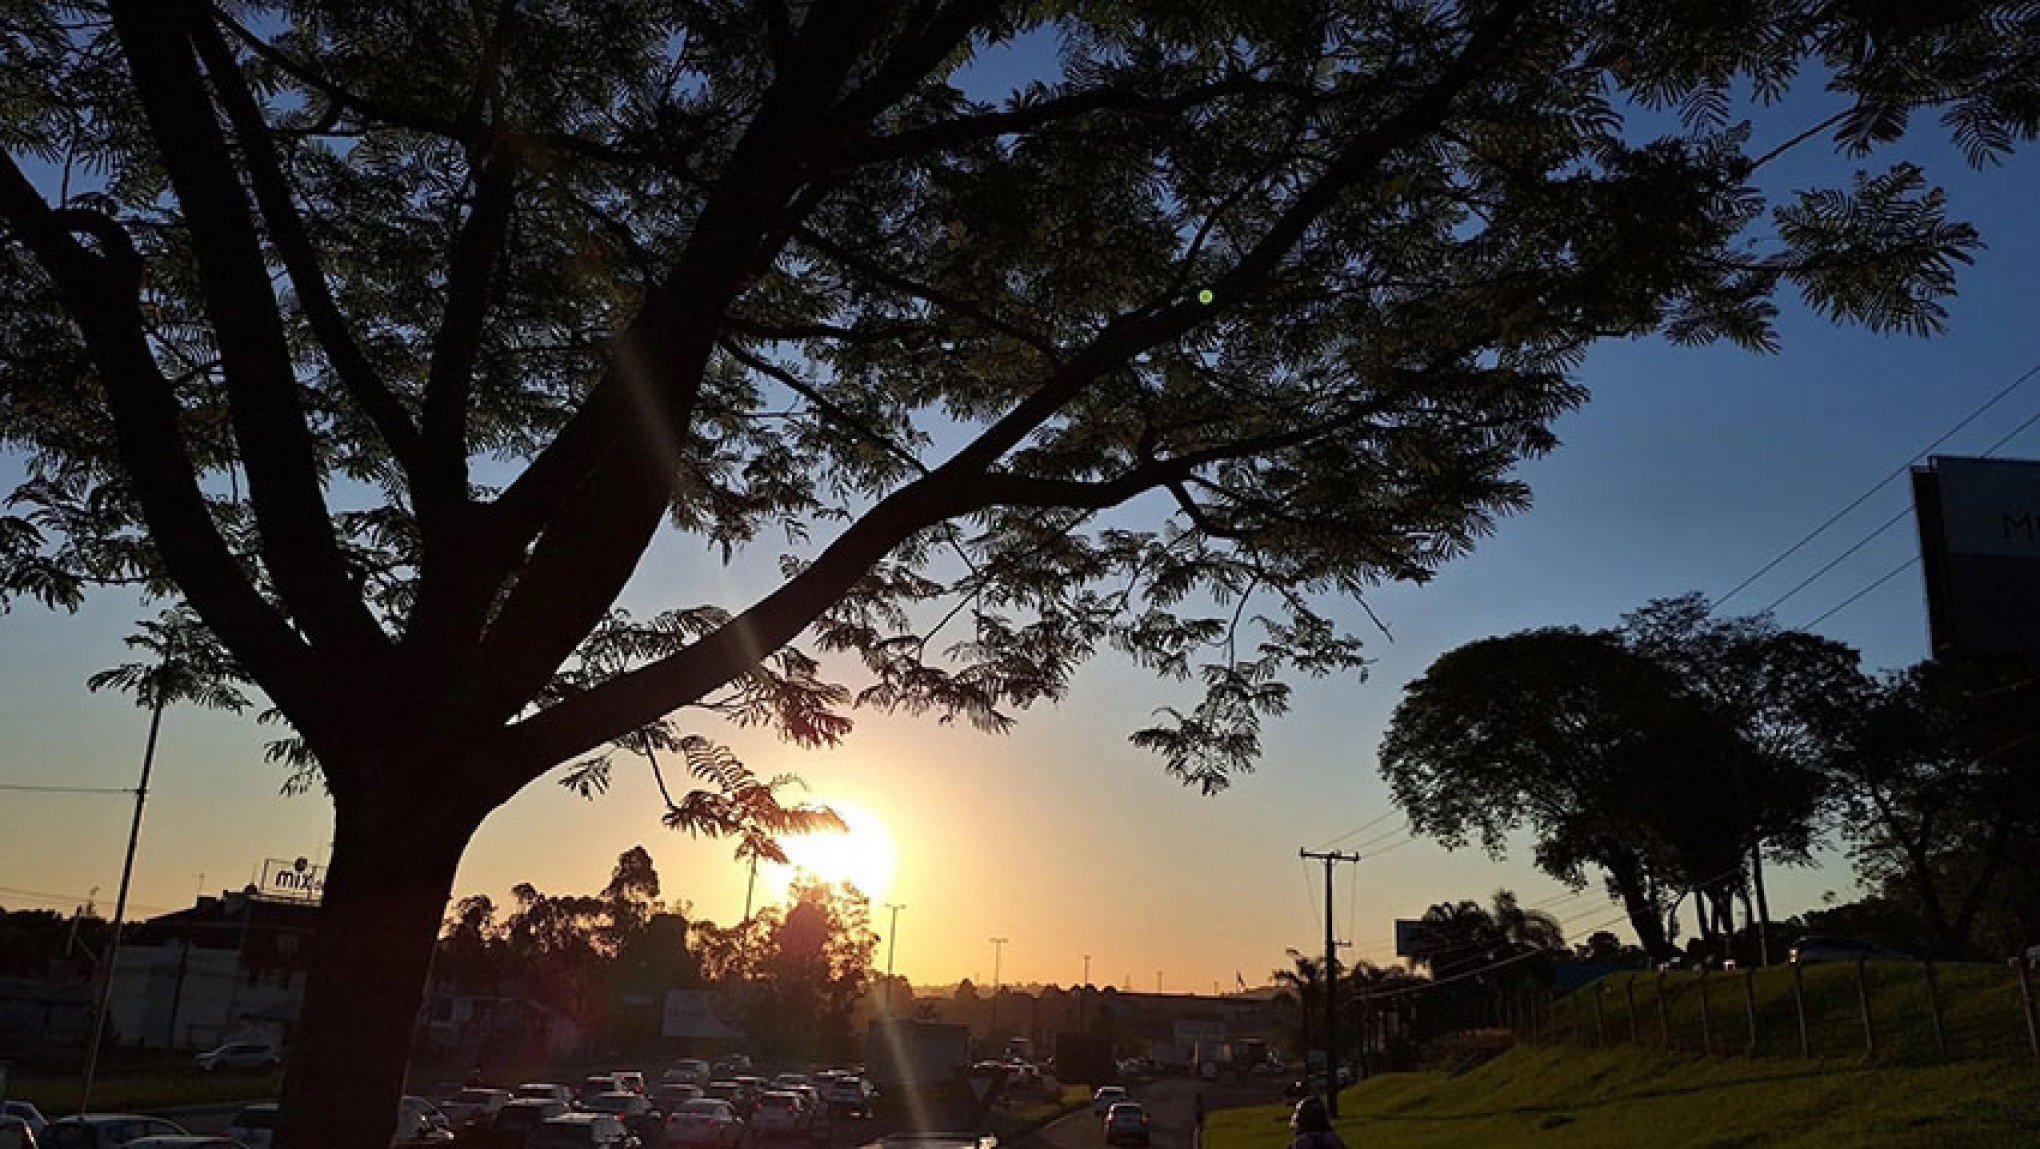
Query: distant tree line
x,y
1676,757
794,977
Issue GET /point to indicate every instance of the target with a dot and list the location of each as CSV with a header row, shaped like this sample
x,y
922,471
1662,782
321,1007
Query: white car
x,y
260,1056
705,1121
1106,1097
686,1071
545,1091
780,1113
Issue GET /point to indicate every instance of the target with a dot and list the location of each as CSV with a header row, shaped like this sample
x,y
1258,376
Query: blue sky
x,y
1689,469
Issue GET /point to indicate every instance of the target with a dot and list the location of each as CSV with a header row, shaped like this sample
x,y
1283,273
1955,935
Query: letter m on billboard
x,y
1979,525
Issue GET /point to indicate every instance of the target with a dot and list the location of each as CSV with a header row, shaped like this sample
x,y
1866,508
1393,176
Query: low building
x,y
229,967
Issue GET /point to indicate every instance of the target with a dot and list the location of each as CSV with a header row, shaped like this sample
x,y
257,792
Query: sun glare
x,y
865,857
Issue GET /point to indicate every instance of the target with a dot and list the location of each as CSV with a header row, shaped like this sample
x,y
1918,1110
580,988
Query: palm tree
x,y
1300,995
186,665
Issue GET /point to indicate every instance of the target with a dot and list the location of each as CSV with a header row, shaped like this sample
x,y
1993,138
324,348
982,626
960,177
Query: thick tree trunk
x,y
392,872
1763,904
1628,879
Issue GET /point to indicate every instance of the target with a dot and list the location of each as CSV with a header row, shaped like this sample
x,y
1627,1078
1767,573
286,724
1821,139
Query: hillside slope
x,y
1572,1098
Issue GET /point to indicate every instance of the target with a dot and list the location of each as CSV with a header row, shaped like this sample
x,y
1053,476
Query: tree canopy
x,y
388,340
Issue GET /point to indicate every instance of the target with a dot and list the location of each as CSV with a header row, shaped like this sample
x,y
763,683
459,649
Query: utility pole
x,y
127,870
1331,976
1084,995
892,938
998,952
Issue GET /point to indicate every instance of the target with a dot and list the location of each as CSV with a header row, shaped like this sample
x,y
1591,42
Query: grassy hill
x,y
1571,1098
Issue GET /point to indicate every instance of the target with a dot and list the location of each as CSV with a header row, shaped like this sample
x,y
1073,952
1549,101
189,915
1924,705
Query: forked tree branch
x,y
298,542
101,291
963,484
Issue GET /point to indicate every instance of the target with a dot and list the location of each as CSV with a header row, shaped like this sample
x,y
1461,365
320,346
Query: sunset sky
x,y
1689,469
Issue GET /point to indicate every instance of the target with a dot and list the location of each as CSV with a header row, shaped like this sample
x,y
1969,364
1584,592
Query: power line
x,y
1362,828
1838,560
1850,601
1888,524
1886,481
21,788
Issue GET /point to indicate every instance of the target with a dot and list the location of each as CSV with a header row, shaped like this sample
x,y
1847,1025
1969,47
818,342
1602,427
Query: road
x,y
1172,1108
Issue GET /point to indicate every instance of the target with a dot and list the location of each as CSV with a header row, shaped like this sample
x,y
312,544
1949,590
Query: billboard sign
x,y
291,880
695,1014
1979,522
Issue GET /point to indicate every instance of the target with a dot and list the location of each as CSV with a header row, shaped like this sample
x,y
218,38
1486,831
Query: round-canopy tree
x,y
388,339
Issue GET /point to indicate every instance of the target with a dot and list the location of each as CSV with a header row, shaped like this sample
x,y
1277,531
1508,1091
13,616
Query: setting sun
x,y
865,857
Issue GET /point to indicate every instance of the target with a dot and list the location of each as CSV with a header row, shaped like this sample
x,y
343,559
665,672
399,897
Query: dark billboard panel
x,y
1979,525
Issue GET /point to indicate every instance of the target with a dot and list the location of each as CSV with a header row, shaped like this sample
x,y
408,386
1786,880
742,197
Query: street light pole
x,y
998,952
892,938
127,870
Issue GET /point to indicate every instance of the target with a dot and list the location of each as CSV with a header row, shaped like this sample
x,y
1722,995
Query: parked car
x,y
104,1130
544,1091
1813,950
261,1056
704,1121
1106,1097
255,1125
474,1105
594,1084
732,1065
667,1099
686,1071
514,1124
582,1131
1126,1124
629,1080
780,1114
15,1133
634,1109
850,1096
789,1080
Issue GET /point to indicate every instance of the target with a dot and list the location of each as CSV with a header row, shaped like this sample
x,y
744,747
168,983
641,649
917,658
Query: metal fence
x,y
1884,1011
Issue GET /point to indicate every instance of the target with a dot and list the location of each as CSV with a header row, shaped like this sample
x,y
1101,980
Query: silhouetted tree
x,y
797,973
1934,800
1775,688
388,338
1594,748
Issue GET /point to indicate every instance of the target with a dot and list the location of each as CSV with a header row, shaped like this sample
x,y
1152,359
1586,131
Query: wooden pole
x,y
1629,992
1863,999
1799,1010
1749,986
2026,1002
1934,1010
1600,1023
1706,1029
1664,1020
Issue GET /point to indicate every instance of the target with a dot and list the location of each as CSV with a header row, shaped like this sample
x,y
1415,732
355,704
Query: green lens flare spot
x,y
1207,297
